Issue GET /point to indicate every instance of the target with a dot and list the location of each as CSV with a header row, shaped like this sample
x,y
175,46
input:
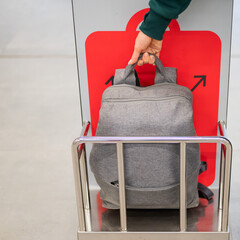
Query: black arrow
x,y
203,78
109,80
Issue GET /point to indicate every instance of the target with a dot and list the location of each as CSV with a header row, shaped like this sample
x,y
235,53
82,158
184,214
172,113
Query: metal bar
x,y
226,189
221,189
78,188
84,180
88,220
222,128
122,196
77,178
221,180
171,139
225,179
154,235
183,207
220,220
85,189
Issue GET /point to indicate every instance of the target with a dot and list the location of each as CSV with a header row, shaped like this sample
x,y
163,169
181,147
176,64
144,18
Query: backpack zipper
x,y
146,99
143,88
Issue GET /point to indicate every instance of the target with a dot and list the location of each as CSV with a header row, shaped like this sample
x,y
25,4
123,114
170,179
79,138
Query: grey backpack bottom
x,y
157,198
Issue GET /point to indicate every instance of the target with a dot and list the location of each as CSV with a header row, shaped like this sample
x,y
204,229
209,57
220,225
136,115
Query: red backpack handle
x,y
138,17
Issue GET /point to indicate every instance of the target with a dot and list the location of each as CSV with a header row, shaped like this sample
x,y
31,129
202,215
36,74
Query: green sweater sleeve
x,y
160,15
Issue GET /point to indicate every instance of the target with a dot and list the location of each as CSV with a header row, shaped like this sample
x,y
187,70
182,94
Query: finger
x,y
151,59
135,56
145,58
140,63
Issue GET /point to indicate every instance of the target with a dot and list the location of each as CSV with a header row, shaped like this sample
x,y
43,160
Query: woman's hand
x,y
145,44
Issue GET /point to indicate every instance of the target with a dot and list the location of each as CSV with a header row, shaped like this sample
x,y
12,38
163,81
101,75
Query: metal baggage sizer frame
x,y
86,230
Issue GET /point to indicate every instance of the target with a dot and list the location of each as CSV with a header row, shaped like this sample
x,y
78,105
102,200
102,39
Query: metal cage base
x,y
154,224
206,222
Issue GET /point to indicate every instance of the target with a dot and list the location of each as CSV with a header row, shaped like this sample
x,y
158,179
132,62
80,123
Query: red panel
x,y
195,54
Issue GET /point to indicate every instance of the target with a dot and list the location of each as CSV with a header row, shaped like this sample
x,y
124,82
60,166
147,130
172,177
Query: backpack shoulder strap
x,y
204,191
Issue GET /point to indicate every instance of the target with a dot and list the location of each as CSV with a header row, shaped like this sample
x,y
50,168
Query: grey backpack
x,y
151,170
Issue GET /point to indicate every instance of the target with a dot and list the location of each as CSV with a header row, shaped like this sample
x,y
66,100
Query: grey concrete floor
x,y
40,116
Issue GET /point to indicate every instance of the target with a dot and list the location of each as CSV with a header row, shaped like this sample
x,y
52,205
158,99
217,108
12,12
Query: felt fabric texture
x,y
151,170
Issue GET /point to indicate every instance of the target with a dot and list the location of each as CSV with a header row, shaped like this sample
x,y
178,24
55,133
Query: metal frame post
x,y
78,188
183,192
122,196
81,181
226,192
225,179
85,187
